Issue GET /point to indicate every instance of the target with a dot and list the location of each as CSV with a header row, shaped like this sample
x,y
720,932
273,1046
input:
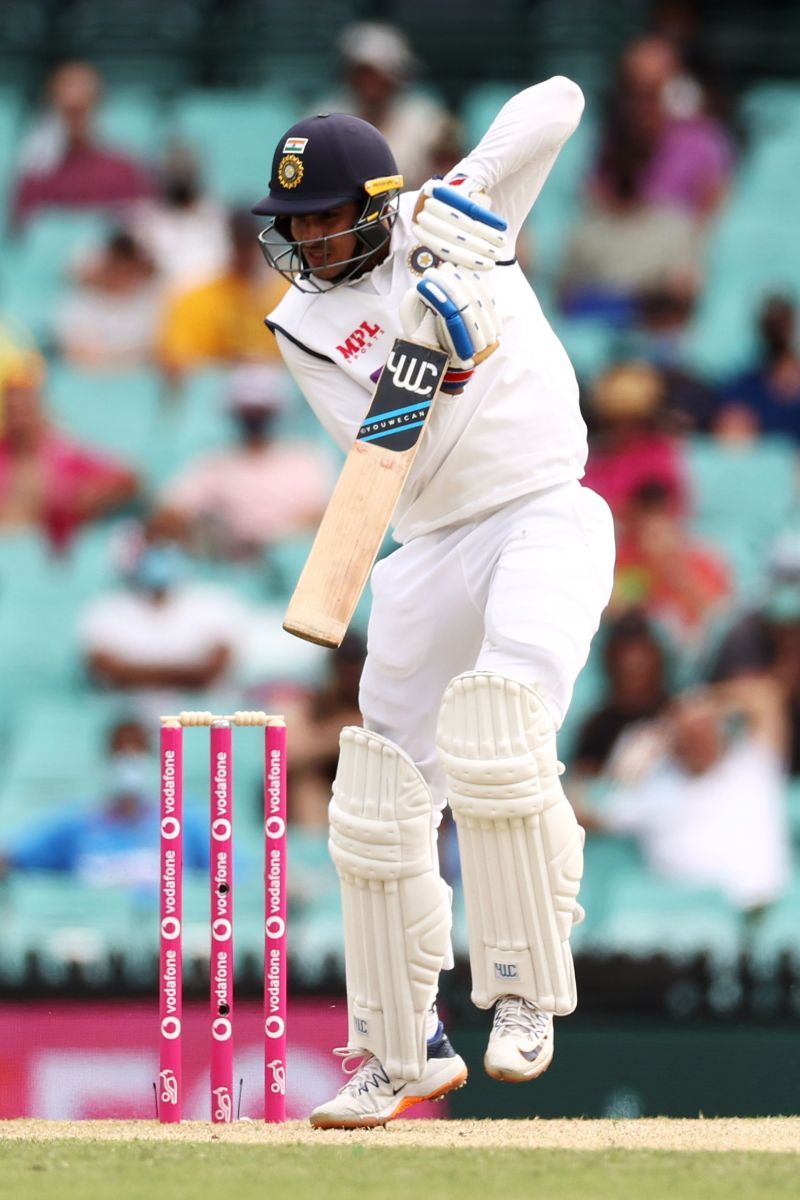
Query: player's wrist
x,y
456,379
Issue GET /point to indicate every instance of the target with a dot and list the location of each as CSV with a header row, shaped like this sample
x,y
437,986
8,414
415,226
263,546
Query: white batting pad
x,y
396,905
520,844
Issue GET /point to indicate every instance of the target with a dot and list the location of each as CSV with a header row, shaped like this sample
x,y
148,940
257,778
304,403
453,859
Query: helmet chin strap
x,y
379,254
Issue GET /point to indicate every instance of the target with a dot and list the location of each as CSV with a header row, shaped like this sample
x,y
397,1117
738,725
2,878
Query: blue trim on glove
x,y
450,313
457,199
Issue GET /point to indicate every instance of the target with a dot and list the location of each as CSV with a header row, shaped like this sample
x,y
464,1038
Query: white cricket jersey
x,y
516,429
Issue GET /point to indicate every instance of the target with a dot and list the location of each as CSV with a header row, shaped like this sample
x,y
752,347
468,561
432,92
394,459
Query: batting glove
x,y
457,228
466,321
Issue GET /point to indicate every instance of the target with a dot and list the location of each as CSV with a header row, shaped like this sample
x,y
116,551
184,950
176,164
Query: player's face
x,y
328,243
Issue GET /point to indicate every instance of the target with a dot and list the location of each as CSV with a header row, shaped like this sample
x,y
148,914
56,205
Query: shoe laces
x,y
514,1015
365,1069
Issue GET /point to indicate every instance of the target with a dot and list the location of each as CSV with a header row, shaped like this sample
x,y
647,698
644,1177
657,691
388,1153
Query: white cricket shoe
x,y
521,1042
371,1098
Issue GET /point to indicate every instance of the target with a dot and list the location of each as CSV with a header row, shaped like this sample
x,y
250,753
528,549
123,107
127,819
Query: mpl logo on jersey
x,y
360,340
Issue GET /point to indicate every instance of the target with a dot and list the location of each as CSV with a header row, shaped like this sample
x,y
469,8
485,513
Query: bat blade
x,y
360,509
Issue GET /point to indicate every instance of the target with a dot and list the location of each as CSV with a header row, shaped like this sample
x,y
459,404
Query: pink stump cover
x,y
221,871
170,975
275,924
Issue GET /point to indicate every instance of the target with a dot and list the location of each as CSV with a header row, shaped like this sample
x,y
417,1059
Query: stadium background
x,y
683,1008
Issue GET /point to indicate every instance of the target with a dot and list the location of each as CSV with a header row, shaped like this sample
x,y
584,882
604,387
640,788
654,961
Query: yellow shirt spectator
x,y
223,320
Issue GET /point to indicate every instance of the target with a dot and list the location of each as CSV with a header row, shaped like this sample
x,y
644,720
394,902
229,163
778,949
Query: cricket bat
x,y
359,511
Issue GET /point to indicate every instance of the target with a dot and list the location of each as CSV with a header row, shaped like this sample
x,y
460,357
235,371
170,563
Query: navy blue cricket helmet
x,y
319,164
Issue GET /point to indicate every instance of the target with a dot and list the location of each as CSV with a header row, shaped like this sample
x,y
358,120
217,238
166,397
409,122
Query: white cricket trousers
x,y
519,592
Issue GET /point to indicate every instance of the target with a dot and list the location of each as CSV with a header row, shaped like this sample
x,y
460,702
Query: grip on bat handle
x,y
427,332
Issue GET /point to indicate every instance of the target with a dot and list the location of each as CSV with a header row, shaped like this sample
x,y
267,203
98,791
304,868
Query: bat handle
x,y
427,332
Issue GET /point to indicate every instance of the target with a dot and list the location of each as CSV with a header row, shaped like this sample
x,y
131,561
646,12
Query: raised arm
x,y
516,154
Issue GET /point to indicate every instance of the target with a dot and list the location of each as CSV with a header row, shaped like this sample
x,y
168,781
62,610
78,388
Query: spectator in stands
x,y
662,168
241,500
316,721
110,317
447,150
183,229
706,798
378,65
766,639
623,250
64,164
115,842
766,399
47,479
627,447
161,631
660,337
636,690
677,581
222,320
658,142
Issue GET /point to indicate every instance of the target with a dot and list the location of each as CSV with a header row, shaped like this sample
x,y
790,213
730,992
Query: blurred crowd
x,y
685,729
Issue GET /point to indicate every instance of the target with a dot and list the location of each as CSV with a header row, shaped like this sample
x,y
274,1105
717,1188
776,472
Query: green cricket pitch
x,y
463,1160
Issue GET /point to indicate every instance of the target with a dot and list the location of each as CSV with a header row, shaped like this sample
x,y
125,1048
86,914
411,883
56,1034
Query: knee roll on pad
x,y
520,844
395,904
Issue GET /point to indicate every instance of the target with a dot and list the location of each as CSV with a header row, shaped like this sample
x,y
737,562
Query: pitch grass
x,y
70,1170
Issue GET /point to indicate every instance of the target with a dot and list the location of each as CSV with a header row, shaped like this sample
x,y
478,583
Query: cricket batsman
x,y
481,619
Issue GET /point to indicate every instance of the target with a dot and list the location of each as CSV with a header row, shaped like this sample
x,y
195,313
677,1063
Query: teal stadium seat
x,y
23,555
742,497
606,859
460,930
313,876
56,757
316,941
793,804
753,252
132,119
770,115
592,344
191,424
770,108
480,107
62,921
37,261
38,649
777,933
752,248
315,917
234,133
115,411
10,123
647,915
